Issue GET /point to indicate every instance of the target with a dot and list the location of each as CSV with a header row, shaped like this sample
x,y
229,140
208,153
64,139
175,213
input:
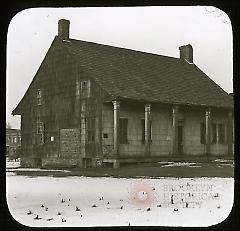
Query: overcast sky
x,y
159,30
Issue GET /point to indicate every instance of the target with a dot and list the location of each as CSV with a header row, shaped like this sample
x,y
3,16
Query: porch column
x,y
230,133
116,108
208,142
147,134
175,130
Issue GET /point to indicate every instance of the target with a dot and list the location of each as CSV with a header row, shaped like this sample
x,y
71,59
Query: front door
x,y
180,137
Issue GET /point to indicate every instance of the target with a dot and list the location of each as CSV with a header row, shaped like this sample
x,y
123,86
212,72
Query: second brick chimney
x,y
63,29
186,53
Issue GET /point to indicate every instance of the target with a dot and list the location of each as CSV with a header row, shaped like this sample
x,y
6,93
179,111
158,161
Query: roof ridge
x,y
124,48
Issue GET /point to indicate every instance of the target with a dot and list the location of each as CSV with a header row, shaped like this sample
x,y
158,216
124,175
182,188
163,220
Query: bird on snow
x,y
81,215
29,212
77,209
121,207
175,209
69,199
149,209
37,218
59,213
108,203
42,206
63,200
46,209
153,188
63,220
94,205
159,205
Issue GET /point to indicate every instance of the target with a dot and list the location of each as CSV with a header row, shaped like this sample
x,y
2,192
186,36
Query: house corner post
x,y
147,118
208,135
230,128
116,112
175,110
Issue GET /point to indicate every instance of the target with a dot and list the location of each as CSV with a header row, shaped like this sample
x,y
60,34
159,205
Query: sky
x,y
154,29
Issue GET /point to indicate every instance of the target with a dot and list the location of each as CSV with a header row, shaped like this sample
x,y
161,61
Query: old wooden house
x,y
91,104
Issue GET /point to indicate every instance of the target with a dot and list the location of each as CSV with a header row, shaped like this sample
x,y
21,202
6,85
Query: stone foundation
x,y
61,162
30,162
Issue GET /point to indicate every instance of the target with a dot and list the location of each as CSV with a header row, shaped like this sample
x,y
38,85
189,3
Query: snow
x,y
178,164
13,164
209,201
35,170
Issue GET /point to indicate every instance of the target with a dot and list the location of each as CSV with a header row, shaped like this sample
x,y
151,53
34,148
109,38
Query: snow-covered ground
x,y
13,164
135,202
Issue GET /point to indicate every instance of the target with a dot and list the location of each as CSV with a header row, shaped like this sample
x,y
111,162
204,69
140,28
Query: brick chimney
x,y
186,53
63,29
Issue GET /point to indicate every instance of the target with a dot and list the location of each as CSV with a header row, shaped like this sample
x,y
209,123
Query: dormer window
x,y
85,88
39,97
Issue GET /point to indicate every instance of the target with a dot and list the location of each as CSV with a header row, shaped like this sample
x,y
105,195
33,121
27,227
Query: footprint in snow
x,y
49,219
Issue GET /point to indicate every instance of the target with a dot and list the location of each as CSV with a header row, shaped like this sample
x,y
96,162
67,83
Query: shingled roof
x,y
135,75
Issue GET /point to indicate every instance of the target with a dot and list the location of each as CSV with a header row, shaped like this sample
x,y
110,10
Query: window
x,y
39,97
52,138
15,139
90,129
221,133
143,131
40,132
85,88
203,133
123,123
214,133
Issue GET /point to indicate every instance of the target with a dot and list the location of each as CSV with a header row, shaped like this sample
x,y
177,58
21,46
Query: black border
x,y
11,8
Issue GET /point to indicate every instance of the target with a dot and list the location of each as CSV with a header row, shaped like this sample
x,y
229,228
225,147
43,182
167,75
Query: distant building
x,y
13,142
90,104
